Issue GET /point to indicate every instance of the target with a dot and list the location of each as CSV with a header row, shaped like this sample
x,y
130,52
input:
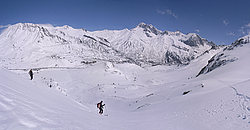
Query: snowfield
x,y
161,97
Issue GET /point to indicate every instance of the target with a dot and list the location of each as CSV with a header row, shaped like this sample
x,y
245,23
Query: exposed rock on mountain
x,y
45,45
228,55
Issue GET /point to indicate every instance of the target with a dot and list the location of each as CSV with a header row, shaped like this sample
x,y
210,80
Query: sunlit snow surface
x,y
137,98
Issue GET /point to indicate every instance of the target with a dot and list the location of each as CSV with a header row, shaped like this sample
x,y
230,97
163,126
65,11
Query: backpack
x,y
98,105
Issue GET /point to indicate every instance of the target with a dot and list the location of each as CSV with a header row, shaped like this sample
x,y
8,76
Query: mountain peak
x,y
29,26
144,25
149,28
193,35
67,27
23,25
240,42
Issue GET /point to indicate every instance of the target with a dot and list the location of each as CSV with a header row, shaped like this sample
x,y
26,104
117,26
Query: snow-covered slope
x,y
48,46
27,105
237,51
158,97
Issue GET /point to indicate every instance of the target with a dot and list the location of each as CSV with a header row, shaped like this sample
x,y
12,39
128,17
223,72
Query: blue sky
x,y
220,21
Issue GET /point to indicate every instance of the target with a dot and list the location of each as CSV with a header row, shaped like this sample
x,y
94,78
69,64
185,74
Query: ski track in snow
x,y
244,103
243,100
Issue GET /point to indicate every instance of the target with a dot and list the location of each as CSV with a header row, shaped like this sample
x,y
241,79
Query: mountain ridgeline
x,y
45,45
235,51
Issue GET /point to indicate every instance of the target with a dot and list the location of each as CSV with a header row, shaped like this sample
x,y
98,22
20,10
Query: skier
x,y
31,74
100,106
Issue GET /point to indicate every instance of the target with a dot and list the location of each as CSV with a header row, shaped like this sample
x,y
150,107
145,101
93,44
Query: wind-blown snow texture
x,y
71,76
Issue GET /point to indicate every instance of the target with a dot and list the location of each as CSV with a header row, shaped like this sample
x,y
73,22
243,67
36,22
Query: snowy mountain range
x,y
45,45
148,79
147,44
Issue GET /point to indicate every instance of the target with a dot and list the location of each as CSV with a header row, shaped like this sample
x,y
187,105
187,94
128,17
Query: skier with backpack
x,y
100,106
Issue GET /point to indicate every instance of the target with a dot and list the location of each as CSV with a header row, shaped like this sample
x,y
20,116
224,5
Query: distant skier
x,y
100,106
31,74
